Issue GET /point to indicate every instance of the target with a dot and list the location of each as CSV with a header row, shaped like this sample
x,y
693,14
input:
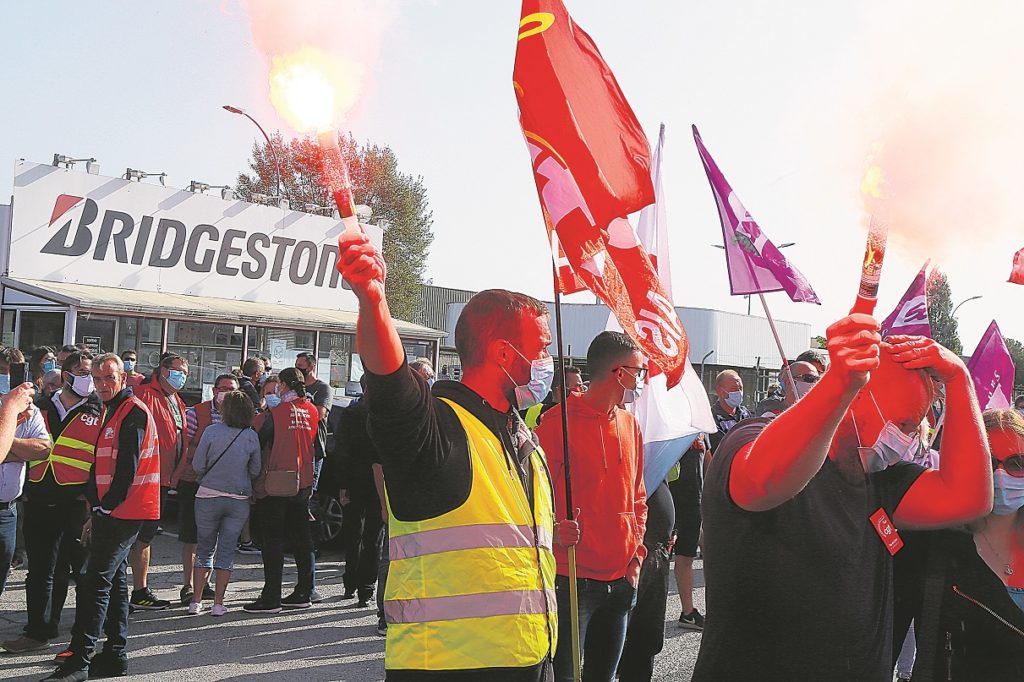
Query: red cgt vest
x,y
204,419
295,427
72,454
167,431
143,500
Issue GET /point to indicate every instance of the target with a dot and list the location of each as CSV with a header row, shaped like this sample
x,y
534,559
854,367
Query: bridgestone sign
x,y
70,226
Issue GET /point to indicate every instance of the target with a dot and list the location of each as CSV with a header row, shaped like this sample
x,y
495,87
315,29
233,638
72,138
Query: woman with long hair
x,y
225,462
286,433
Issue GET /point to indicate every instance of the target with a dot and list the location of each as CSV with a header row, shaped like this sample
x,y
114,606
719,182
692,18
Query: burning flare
x,y
312,90
878,233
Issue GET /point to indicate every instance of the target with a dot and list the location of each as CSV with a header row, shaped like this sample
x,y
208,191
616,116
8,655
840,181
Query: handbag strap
x,y
210,468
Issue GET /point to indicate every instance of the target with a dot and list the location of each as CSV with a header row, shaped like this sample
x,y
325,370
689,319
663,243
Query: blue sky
x,y
786,96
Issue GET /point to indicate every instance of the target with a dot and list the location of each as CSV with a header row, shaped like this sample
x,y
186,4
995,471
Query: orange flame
x,y
874,177
311,89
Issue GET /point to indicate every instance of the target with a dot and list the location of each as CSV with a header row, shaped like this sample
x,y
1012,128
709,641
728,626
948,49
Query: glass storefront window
x,y
210,349
7,325
334,364
418,349
280,345
41,329
97,332
144,337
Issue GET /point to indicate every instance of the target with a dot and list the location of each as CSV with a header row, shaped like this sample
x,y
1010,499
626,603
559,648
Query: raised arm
x,y
960,490
791,450
377,340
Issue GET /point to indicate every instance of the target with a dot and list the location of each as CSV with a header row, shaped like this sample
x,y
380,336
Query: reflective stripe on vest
x,y
72,455
142,501
474,587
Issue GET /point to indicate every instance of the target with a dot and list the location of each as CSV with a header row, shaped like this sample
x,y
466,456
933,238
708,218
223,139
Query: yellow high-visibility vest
x,y
532,417
474,588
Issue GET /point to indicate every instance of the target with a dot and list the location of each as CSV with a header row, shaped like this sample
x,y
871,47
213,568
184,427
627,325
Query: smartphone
x,y
19,372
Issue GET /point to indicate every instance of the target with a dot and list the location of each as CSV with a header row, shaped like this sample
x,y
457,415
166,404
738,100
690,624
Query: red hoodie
x,y
607,457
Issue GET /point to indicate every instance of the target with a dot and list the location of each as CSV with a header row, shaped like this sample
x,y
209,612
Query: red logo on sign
x,y
64,203
886,531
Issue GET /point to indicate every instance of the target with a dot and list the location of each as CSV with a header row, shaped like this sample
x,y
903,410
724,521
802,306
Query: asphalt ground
x,y
332,640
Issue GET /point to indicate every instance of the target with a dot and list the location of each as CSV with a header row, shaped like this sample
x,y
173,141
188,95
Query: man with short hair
x,y
319,393
728,410
123,491
802,513
815,357
30,441
131,362
65,351
252,374
606,456
462,521
183,479
55,500
160,396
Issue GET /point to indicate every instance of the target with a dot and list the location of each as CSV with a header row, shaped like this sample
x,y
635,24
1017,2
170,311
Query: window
x,y
334,364
210,349
144,336
280,345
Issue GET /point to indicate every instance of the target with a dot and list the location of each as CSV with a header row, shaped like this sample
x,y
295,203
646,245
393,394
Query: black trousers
x,y
645,635
361,531
55,554
281,518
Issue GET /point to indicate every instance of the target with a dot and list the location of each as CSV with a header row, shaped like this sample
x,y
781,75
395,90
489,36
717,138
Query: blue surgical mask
x,y
734,399
5,384
49,366
542,373
273,400
1007,493
1017,595
129,365
176,379
891,446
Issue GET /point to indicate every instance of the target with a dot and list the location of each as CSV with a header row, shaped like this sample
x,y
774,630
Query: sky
x,y
792,99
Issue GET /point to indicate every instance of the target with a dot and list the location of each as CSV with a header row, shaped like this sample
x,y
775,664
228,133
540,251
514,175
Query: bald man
x,y
728,410
802,513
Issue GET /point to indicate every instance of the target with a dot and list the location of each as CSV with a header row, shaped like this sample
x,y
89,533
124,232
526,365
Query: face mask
x,y
273,400
1008,493
891,446
82,386
5,383
49,366
219,398
631,395
129,365
542,373
176,379
430,381
734,399
800,388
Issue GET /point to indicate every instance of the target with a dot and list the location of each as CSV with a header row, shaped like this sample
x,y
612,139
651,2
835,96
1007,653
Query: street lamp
x,y
138,175
780,246
273,151
91,167
955,308
198,187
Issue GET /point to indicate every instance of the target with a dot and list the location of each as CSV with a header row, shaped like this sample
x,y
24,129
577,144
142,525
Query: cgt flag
x,y
911,315
591,163
992,370
1017,274
755,264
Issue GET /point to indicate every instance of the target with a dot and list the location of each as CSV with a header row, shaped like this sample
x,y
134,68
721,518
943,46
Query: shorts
x,y
187,531
148,531
686,494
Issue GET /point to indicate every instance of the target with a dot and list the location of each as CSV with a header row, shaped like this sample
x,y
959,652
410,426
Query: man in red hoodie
x,y
606,457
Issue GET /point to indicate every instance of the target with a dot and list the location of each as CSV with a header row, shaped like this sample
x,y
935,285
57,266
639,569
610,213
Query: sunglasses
x,y
807,378
639,373
1013,465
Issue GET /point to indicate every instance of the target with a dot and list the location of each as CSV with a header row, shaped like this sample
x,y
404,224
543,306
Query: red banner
x,y
1017,274
591,163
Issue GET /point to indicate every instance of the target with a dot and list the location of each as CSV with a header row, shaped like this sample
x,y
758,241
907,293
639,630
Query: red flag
x,y
591,163
1017,274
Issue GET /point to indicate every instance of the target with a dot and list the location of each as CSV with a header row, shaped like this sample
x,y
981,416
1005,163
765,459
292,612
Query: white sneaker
x,y
194,608
218,610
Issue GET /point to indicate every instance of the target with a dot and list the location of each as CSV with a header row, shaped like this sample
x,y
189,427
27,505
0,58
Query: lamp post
x,y
957,307
273,152
780,246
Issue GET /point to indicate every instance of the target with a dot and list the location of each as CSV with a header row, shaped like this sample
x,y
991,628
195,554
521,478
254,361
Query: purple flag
x,y
911,315
992,370
755,265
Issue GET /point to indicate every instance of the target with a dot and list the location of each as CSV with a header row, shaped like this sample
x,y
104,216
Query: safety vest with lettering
x,y
72,453
204,419
474,587
143,500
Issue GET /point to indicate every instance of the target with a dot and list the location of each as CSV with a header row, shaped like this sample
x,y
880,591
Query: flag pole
x,y
574,613
778,341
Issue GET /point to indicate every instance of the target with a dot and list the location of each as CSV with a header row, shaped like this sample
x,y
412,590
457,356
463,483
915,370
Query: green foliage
x,y
1016,349
940,312
395,197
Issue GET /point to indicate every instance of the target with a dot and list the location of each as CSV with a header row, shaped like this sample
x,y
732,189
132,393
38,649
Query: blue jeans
x,y
102,591
604,611
8,539
219,522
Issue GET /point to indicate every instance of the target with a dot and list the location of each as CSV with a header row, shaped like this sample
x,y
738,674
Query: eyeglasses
x,y
638,373
807,378
1013,465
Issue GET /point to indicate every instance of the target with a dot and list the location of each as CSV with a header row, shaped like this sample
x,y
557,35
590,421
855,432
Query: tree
x,y
940,312
395,197
1016,349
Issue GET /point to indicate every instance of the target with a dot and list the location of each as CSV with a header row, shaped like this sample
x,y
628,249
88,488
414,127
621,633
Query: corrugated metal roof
x,y
180,306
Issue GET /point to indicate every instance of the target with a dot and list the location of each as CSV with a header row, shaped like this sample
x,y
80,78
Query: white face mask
x,y
82,386
891,446
631,395
542,373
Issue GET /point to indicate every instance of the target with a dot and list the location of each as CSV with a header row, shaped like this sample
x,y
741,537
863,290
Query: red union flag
x,y
591,163
1017,274
911,315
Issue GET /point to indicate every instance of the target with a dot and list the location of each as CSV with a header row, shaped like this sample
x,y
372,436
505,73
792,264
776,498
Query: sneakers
x,y
382,627
145,600
62,656
248,548
349,594
186,595
296,601
72,670
692,621
23,645
260,606
108,664
194,608
218,610
315,597
365,595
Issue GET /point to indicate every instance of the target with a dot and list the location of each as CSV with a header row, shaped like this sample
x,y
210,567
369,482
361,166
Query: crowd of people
x,y
843,535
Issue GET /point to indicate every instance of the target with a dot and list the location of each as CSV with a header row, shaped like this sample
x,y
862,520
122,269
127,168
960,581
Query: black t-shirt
x,y
319,393
801,591
661,517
